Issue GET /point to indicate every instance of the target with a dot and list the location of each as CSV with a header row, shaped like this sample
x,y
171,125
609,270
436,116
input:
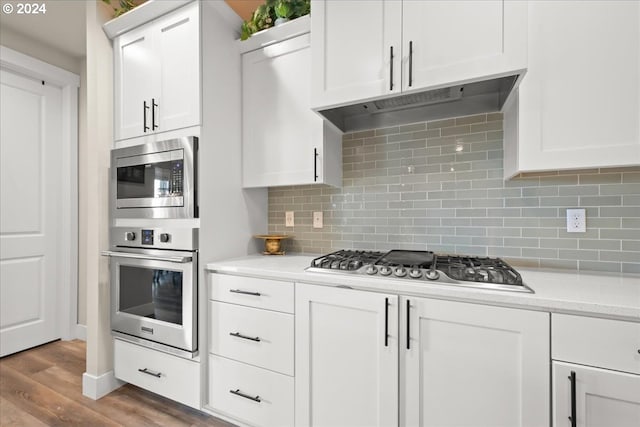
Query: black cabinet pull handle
x,y
386,322
148,372
410,63
154,126
145,128
240,291
315,164
237,392
573,418
408,324
239,335
391,68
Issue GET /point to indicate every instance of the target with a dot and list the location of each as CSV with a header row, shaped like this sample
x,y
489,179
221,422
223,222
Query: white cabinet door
x,y
284,142
346,357
602,397
473,365
179,56
579,103
136,79
157,75
352,47
455,41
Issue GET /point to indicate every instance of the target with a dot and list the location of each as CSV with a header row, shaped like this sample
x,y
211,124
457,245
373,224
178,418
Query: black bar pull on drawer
x,y
240,291
148,372
239,335
573,418
408,324
386,322
237,392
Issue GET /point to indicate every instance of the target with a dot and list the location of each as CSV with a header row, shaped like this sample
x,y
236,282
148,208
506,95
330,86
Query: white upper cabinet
x,y
368,49
578,106
157,75
353,44
460,41
283,141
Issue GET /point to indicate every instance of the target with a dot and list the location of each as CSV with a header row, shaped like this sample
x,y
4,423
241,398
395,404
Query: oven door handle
x,y
177,259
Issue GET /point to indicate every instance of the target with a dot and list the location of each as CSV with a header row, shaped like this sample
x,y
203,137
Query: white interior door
x,y
31,153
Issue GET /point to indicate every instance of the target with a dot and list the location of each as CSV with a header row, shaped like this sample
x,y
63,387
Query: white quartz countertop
x,y
608,295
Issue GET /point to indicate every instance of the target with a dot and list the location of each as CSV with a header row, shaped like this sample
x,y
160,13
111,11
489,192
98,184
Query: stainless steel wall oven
x,y
155,180
154,292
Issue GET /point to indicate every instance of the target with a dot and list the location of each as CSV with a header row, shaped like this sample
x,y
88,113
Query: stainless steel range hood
x,y
460,100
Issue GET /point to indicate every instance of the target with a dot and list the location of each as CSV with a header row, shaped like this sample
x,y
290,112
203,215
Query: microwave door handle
x,y
177,259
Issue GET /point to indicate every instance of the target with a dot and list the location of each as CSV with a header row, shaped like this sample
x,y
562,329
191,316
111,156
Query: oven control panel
x,y
147,237
155,238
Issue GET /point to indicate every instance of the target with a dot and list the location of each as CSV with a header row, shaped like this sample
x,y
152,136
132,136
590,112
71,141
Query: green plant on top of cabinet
x,y
157,75
368,49
283,141
578,106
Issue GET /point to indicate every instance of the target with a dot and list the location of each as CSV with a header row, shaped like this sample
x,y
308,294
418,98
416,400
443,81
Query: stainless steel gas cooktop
x,y
470,271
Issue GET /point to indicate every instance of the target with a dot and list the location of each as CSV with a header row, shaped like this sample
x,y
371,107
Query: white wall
x,y
38,50
94,163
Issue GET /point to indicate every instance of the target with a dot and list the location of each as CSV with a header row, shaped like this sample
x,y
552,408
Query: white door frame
x,y
67,283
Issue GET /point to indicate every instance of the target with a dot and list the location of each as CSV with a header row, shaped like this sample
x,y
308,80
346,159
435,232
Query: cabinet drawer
x,y
268,396
261,293
262,338
605,343
164,374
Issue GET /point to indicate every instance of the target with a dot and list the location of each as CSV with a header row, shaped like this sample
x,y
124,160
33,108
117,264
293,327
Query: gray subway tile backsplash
x,y
438,186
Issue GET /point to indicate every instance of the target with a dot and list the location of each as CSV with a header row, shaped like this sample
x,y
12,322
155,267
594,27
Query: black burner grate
x,y
348,260
478,269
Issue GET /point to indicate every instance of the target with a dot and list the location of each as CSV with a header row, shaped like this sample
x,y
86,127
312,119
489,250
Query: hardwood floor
x,y
43,387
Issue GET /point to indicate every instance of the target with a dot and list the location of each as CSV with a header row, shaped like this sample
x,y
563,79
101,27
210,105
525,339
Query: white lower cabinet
x,y
346,357
596,372
249,394
470,365
161,373
445,364
594,397
251,363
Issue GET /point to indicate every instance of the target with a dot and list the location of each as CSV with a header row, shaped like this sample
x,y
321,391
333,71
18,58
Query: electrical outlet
x,y
288,219
576,221
317,220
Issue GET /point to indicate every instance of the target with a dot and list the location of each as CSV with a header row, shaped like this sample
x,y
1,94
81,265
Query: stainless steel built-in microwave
x,y
155,180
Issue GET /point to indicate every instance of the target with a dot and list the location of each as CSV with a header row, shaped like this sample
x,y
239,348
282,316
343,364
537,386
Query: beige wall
x,y
82,191
37,49
93,198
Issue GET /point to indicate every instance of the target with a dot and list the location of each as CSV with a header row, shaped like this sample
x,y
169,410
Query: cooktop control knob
x,y
400,272
432,275
385,270
415,273
130,236
164,237
371,269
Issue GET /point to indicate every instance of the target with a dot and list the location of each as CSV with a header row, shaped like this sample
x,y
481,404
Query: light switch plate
x,y
288,219
576,221
317,220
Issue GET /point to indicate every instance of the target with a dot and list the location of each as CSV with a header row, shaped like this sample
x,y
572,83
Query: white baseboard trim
x,y
97,387
81,332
